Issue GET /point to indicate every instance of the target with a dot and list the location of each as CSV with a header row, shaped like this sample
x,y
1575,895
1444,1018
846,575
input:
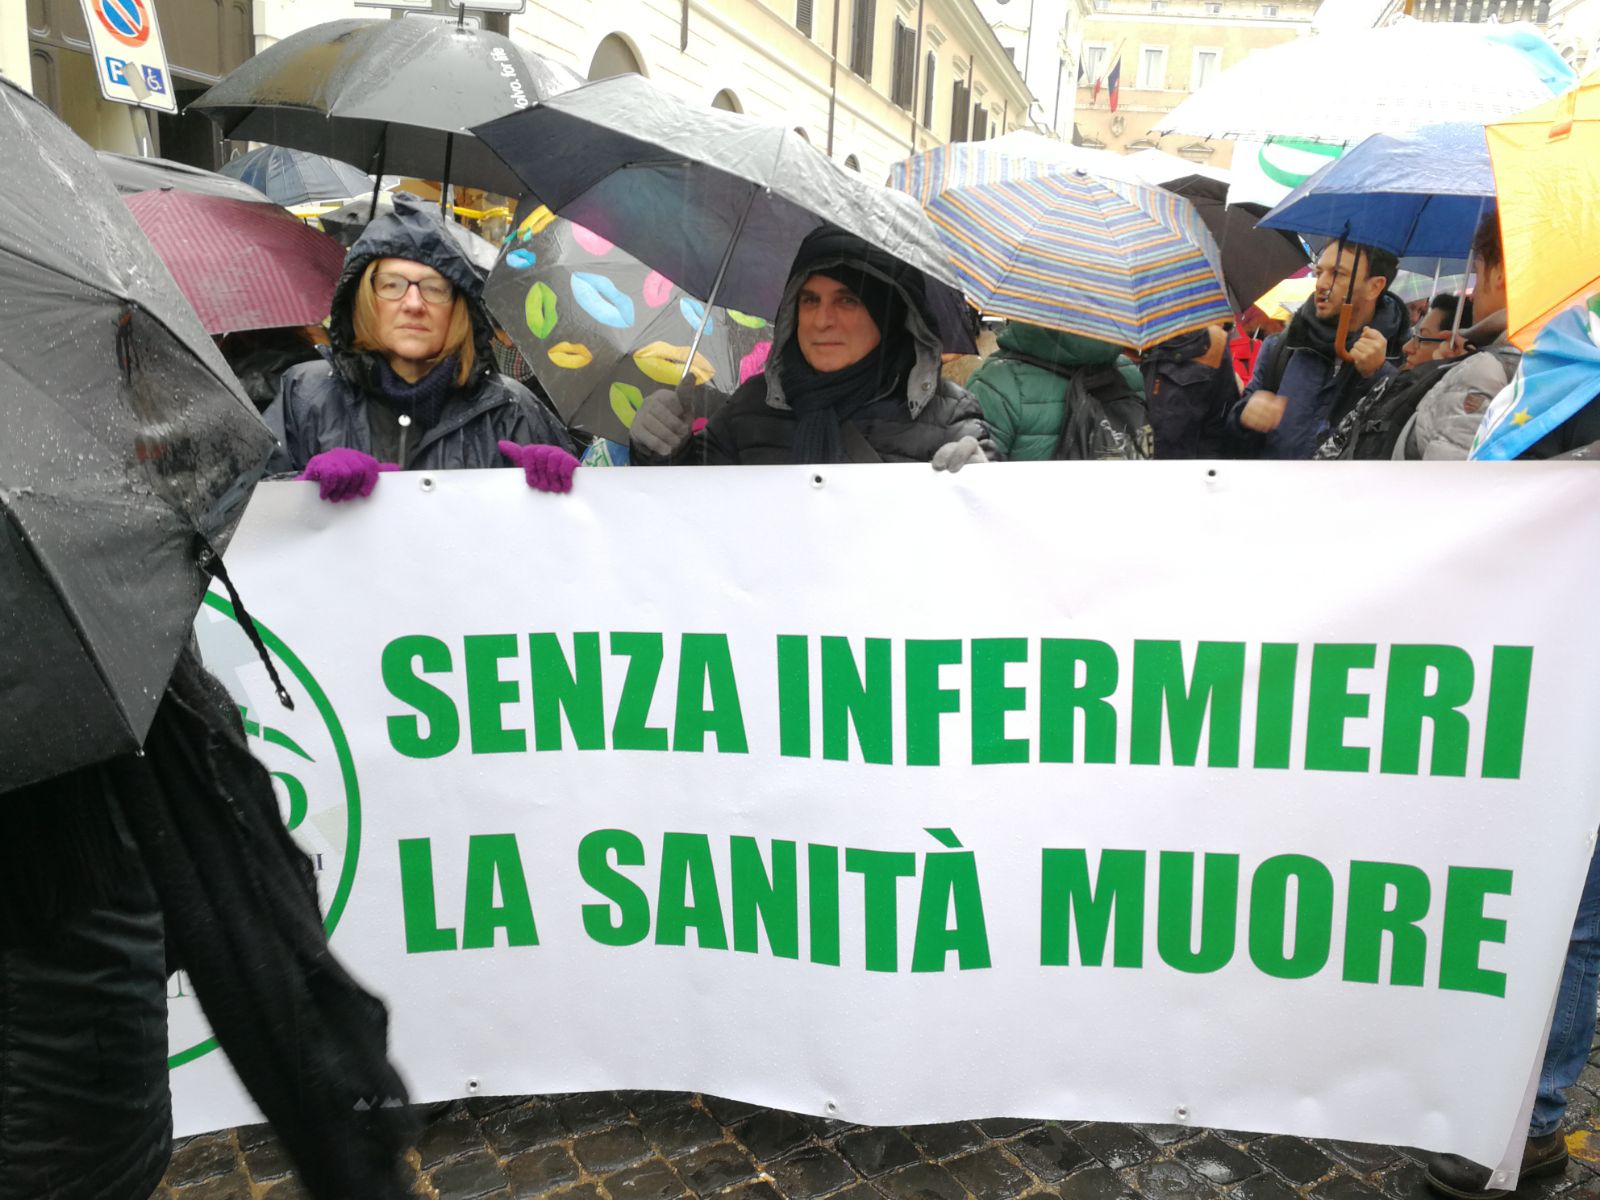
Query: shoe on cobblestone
x,y
1452,1175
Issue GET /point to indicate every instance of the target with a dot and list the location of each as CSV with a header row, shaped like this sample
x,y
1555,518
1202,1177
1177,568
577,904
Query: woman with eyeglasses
x,y
408,382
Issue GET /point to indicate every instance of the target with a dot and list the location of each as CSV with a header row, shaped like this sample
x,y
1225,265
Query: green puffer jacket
x,y
1023,403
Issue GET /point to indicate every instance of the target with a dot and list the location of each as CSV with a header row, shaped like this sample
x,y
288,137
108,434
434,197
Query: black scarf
x,y
423,401
823,400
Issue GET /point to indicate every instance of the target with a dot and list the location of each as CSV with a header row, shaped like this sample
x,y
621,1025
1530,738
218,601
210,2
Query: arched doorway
x,y
614,56
853,163
801,130
727,101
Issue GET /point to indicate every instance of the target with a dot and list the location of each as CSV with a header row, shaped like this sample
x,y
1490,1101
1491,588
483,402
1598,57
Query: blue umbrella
x,y
291,177
1420,193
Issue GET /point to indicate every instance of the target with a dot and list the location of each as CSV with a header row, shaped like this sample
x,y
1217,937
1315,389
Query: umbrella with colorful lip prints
x,y
601,330
129,451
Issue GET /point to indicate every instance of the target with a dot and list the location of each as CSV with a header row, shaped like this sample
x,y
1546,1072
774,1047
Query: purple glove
x,y
345,474
548,468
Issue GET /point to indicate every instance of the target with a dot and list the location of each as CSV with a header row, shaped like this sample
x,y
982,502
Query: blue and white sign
x,y
128,57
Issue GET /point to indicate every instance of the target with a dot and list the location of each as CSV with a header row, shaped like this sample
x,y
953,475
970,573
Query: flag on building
x,y
1114,81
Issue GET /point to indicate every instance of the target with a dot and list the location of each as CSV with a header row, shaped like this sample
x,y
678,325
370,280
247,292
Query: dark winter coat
x,y
328,404
1188,401
1025,403
1320,389
85,1112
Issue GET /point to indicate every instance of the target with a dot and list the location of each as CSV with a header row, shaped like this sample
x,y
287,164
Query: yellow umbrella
x,y
1287,295
1547,177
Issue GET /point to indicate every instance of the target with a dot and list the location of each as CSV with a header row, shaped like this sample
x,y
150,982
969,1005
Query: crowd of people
x,y
407,379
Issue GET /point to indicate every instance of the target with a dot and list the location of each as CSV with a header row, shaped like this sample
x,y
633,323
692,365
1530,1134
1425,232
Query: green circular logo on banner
x,y
308,756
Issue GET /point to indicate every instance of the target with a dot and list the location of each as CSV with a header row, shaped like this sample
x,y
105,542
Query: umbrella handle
x,y
1342,333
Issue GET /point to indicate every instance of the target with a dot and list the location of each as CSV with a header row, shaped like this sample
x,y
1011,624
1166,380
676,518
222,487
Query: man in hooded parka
x,y
853,377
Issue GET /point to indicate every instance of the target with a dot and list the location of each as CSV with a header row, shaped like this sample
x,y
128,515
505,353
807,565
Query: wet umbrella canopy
x,y
127,442
291,177
677,185
132,174
386,96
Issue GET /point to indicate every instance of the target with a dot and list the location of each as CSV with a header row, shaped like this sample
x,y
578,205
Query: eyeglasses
x,y
393,287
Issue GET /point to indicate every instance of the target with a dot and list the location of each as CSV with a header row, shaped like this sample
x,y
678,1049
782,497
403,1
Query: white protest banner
x,y
1247,795
1264,172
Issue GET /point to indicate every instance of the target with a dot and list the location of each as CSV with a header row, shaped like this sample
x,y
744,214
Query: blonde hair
x,y
458,338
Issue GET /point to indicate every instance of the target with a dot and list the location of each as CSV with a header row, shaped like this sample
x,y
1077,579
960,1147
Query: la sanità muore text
x,y
889,701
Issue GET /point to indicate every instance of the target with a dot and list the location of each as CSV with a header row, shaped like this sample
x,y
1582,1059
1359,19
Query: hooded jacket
x,y
324,405
1321,389
1024,404
757,424
1447,418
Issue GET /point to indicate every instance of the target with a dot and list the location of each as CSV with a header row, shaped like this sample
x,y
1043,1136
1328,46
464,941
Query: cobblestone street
x,y
665,1145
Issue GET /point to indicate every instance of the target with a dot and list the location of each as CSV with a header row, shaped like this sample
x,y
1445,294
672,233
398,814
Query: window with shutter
x,y
960,111
802,16
861,29
902,87
927,90
980,123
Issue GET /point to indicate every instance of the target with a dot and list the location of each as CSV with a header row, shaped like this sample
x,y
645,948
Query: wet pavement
x,y
670,1145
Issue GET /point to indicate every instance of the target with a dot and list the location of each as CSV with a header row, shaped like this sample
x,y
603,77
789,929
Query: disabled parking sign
x,y
128,57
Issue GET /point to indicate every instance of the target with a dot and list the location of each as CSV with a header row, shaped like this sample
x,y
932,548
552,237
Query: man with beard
x,y
1301,387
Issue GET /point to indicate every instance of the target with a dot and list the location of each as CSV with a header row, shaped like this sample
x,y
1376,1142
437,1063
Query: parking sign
x,y
126,43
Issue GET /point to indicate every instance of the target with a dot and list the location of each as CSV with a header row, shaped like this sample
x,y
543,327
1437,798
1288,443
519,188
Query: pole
x,y
377,175
833,75
716,285
1027,47
444,180
916,77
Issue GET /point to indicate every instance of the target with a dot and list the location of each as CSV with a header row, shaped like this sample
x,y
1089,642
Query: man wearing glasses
x,y
1433,330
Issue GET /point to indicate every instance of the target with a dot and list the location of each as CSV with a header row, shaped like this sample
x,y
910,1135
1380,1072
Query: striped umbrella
x,y
1103,257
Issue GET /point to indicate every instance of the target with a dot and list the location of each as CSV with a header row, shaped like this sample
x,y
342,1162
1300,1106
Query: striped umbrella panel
x,y
1122,262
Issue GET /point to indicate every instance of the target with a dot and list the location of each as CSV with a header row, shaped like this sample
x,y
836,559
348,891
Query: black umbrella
x,y
290,177
396,96
128,450
148,174
716,201
1253,258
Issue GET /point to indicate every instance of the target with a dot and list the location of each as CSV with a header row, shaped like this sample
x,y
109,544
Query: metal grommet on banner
x,y
817,481
472,1084
426,483
1182,1112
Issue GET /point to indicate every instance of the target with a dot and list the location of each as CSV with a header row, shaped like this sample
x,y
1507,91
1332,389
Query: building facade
x,y
866,81
1167,50
204,40
1043,38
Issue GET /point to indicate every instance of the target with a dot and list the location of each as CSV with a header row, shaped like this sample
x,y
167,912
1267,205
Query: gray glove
x,y
952,456
663,423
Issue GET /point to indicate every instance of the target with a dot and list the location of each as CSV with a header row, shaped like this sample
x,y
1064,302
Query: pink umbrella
x,y
241,265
